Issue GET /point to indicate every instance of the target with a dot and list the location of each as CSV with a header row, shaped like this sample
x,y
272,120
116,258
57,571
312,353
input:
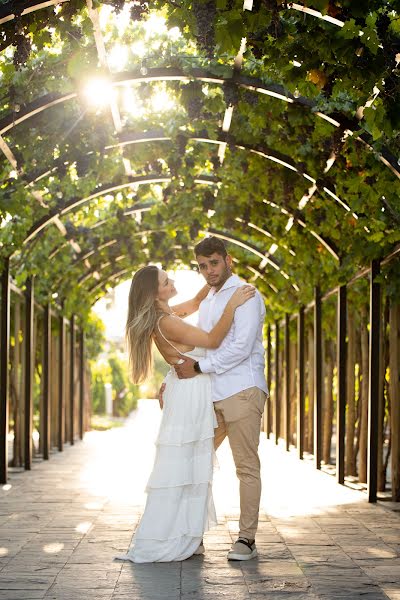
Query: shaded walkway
x,y
62,523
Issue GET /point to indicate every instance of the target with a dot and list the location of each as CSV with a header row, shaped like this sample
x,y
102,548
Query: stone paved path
x,y
62,523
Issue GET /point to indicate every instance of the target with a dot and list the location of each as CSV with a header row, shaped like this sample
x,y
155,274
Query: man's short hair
x,y
209,245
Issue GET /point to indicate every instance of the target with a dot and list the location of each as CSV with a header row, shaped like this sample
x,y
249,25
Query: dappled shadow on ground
x,y
62,524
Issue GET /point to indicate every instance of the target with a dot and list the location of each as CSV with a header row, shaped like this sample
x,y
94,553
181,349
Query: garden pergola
x,y
129,129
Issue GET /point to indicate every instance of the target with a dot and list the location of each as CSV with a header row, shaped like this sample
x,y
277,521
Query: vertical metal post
x,y
341,376
301,384
61,377
46,380
318,378
4,373
287,382
72,380
373,400
29,366
269,378
81,382
277,412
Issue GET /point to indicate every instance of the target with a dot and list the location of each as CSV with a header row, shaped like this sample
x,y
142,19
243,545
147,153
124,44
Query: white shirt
x,y
238,363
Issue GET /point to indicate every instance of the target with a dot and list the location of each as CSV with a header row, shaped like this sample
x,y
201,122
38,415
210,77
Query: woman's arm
x,y
178,331
191,306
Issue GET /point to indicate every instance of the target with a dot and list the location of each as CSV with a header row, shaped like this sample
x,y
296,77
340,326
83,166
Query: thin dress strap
x,y
168,342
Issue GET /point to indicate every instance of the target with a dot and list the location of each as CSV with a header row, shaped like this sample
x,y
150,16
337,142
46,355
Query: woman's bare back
x,y
170,350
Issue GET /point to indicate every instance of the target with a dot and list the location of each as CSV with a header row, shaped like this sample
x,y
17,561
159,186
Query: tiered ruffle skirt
x,y
179,507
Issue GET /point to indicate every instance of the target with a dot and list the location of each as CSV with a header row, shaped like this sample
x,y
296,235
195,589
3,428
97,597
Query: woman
x,y
179,505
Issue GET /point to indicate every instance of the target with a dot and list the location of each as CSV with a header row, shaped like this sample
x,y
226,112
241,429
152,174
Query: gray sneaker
x,y
242,549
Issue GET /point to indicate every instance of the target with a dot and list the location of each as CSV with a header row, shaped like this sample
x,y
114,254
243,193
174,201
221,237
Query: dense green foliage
x,y
72,151
111,368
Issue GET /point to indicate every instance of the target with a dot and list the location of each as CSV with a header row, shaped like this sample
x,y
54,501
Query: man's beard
x,y
220,280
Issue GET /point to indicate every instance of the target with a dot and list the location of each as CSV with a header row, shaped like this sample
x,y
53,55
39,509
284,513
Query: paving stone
x,y
10,594
62,523
279,584
77,593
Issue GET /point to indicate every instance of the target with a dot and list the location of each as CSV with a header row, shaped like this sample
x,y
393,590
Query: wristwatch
x,y
196,367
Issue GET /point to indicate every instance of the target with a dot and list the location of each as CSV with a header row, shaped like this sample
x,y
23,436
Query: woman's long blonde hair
x,y
141,321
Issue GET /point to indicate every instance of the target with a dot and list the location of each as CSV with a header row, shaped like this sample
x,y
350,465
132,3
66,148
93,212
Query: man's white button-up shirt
x,y
238,364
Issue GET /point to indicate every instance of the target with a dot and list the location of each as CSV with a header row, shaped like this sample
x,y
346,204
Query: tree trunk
x,y
310,372
328,402
351,408
394,387
364,390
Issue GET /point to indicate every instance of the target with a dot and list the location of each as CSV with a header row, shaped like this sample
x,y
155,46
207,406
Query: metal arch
x,y
104,189
35,6
147,207
264,152
45,221
259,150
173,74
29,8
303,224
247,246
104,281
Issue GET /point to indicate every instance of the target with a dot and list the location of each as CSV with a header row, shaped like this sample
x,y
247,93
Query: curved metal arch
x,y
156,136
35,6
147,207
302,224
150,179
106,188
89,274
101,190
115,241
259,150
29,7
238,242
104,282
173,74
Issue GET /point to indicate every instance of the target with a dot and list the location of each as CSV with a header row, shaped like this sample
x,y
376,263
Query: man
x,y
238,382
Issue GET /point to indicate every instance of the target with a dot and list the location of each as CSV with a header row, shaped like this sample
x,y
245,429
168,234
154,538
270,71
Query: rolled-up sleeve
x,y
247,323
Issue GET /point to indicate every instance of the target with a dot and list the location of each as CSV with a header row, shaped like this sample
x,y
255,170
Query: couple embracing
x,y
215,388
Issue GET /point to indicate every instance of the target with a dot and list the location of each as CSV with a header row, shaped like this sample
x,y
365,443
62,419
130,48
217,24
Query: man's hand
x,y
185,370
160,395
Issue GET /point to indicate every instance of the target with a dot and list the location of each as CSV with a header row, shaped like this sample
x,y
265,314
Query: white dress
x,y
179,505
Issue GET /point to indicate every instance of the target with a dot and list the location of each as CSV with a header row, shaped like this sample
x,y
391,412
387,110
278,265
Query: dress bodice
x,y
197,353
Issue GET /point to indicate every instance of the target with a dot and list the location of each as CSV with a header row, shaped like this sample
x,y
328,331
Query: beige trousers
x,y
239,418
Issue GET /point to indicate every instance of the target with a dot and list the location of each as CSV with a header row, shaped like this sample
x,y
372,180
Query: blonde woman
x,y
179,505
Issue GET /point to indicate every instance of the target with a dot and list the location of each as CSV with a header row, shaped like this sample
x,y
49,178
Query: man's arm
x,y
247,322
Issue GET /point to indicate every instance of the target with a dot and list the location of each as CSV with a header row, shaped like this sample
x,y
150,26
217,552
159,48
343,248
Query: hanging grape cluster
x,y
215,161
231,93
208,200
250,98
139,10
22,51
205,14
181,142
